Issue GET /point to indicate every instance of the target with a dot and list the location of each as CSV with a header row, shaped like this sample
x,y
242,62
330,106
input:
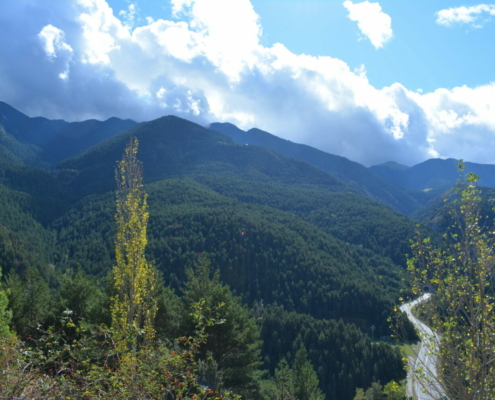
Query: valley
x,y
312,245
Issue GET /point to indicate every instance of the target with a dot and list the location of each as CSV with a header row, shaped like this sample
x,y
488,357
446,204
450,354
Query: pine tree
x,y
283,381
5,315
304,378
234,344
134,305
30,300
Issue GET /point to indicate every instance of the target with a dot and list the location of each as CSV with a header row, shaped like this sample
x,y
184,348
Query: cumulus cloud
x,y
372,21
77,60
475,16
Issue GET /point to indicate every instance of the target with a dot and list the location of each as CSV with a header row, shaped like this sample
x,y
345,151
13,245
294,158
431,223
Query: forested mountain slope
x,y
282,233
354,174
437,213
435,174
42,142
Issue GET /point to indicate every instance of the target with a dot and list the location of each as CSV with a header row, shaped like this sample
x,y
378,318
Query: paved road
x,y
424,385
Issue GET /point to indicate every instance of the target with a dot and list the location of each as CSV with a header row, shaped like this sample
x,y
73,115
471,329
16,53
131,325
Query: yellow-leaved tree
x,y
461,310
134,305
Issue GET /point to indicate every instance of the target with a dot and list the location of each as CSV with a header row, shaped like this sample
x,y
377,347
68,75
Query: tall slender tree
x,y
134,305
461,311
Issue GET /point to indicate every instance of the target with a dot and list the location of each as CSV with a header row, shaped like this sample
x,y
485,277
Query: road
x,y
422,378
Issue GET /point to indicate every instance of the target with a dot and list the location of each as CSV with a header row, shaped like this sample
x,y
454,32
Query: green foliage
x,y
278,230
375,392
55,365
395,391
280,258
391,391
30,300
80,294
234,344
359,178
343,356
304,378
134,304
297,383
284,386
461,310
5,314
347,216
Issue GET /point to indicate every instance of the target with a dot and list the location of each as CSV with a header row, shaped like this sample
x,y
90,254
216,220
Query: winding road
x,y
422,381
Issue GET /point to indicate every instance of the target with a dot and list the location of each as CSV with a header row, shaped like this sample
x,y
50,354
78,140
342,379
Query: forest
x,y
266,270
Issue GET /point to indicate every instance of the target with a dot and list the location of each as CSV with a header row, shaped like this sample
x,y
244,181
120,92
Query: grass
x,y
411,349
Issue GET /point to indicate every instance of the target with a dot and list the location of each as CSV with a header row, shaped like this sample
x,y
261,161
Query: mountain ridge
x,y
350,172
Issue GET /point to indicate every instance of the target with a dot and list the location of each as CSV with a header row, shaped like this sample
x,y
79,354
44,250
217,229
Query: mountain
x,y
79,136
250,178
171,147
34,131
434,174
352,173
42,142
325,260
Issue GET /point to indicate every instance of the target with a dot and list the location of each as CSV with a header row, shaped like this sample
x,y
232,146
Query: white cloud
x,y
53,42
229,31
101,30
129,15
372,21
210,66
475,16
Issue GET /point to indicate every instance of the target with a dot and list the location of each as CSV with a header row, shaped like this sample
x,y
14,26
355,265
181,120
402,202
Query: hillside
x,y
352,173
436,174
281,232
41,142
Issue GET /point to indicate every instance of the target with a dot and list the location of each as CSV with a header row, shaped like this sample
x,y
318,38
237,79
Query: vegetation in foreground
x,y
461,310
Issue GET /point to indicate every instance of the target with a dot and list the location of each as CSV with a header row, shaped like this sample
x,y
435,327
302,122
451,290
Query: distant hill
x,y
434,174
172,147
28,130
79,136
352,173
42,142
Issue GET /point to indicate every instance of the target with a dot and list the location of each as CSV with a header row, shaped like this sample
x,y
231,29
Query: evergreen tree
x,y
304,378
30,300
234,344
375,392
283,381
5,315
79,293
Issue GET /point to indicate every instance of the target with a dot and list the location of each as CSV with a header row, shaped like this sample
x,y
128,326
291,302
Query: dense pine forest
x,y
292,271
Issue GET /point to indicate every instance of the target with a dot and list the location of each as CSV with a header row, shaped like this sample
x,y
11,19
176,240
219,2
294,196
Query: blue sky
x,y
421,55
374,81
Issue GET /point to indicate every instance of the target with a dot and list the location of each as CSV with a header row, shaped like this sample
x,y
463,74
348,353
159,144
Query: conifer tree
x,y
5,315
304,378
233,344
283,381
134,304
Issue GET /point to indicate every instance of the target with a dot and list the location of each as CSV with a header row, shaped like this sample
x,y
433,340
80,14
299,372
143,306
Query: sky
x,y
373,81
